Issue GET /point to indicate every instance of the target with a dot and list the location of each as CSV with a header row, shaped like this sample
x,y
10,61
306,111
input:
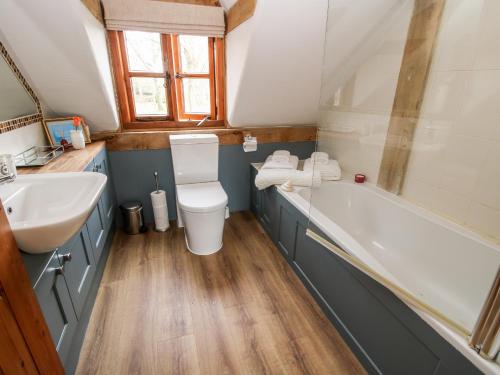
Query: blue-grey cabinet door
x,y
55,302
79,268
255,194
287,232
96,229
269,211
107,200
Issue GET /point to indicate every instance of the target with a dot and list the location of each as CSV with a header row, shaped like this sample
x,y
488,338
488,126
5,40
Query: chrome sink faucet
x,y
7,169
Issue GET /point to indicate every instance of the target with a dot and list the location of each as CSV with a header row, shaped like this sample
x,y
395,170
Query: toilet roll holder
x,y
249,143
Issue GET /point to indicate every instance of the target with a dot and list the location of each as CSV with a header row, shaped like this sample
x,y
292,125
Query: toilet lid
x,y
202,197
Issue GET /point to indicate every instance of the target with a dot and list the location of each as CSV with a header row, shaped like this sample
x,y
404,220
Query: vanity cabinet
x,y
107,203
96,229
78,265
66,279
101,218
55,301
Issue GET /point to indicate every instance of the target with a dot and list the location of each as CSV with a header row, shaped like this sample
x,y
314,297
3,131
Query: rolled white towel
x,y
305,178
280,158
320,157
282,153
269,177
291,163
329,172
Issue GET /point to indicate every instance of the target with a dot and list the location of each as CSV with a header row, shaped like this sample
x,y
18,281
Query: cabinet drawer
x,y
55,302
107,201
96,227
79,268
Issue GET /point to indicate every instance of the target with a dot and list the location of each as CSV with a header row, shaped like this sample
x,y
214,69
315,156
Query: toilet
x,y
201,200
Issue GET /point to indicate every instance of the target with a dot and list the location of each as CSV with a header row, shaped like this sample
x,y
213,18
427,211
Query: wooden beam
x,y
94,6
415,66
159,139
212,3
22,302
241,11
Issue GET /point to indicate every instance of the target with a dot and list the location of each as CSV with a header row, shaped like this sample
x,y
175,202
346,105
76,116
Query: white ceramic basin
x,y
46,210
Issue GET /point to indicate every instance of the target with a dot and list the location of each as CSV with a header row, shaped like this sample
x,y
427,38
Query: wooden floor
x,y
163,310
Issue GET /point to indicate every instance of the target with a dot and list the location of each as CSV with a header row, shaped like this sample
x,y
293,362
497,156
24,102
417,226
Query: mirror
x,y
19,105
15,101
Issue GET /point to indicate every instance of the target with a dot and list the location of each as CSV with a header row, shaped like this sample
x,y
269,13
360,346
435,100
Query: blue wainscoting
x,y
133,173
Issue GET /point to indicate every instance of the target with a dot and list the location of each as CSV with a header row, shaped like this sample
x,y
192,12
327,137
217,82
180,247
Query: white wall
x,y
19,140
274,64
63,49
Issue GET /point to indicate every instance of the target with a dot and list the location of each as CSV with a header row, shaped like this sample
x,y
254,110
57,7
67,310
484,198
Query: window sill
x,y
172,125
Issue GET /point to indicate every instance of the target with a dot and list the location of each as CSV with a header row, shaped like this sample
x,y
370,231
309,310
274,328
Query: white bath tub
x,y
443,264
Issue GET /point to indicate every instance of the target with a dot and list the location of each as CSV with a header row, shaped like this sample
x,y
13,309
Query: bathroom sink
x,y
46,210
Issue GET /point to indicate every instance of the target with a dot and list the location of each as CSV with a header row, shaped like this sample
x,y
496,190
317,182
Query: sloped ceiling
x,y
274,63
62,49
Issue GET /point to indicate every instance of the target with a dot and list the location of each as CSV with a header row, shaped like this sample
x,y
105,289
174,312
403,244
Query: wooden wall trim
x,y
415,66
241,11
22,300
159,139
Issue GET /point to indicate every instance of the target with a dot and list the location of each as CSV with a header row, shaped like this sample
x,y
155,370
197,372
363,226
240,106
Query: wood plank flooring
x,y
163,310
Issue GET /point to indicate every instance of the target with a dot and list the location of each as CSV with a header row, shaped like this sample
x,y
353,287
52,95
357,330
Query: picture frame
x,y
57,129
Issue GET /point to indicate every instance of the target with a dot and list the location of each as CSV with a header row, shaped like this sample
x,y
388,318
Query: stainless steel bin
x,y
133,217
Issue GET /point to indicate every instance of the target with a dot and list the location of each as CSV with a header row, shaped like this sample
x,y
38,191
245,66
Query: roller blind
x,y
164,17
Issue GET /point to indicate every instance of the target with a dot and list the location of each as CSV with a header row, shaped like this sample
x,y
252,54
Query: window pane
x,y
143,51
196,95
194,53
149,96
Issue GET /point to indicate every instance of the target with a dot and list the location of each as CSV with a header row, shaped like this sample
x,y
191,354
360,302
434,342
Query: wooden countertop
x,y
71,161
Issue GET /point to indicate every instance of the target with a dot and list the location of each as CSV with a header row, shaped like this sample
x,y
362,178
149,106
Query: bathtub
x,y
443,264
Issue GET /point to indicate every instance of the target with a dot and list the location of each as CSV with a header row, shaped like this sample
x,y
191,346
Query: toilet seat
x,y
201,197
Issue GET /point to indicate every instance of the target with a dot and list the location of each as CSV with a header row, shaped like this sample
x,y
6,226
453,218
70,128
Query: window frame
x,y
180,75
176,118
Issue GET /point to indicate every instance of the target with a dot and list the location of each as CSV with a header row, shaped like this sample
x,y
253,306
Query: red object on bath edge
x,y
359,178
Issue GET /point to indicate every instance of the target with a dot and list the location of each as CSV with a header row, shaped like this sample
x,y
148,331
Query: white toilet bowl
x,y
203,208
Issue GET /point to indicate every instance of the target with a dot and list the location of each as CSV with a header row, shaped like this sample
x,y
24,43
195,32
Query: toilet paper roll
x,y
250,145
160,210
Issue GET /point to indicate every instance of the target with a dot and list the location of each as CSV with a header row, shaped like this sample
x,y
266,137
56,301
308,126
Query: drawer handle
x,y
66,257
58,270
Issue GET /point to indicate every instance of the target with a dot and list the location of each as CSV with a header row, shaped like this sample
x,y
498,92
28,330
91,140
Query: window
x,y
165,80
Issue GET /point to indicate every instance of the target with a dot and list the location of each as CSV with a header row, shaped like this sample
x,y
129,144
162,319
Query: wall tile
x,y
454,206
488,51
444,95
485,220
456,44
487,189
463,159
480,116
